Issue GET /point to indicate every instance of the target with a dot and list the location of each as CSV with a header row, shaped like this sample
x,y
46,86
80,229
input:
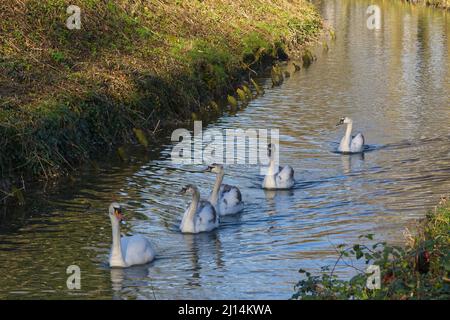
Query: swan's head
x,y
115,212
344,120
215,168
270,149
189,189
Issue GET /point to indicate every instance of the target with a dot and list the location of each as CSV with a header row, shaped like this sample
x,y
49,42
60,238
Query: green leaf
x,y
359,254
258,89
215,106
18,194
122,154
140,136
241,95
248,92
232,101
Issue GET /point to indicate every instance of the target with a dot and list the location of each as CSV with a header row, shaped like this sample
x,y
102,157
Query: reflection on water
x,y
393,82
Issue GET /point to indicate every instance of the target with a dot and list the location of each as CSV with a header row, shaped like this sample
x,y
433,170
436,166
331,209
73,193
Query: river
x,y
393,82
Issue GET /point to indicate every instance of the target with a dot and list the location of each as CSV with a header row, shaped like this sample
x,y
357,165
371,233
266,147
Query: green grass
x,y
67,95
419,270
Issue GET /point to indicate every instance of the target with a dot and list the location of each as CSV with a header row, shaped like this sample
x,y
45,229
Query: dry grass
x,y
42,59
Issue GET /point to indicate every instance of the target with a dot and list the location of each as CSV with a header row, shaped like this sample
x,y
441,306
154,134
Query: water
x,y
394,83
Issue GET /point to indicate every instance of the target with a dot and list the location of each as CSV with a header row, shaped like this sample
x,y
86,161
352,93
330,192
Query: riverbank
x,y
443,4
420,270
132,68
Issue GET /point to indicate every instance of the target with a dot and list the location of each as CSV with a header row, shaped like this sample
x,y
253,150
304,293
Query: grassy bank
x,y
419,270
134,66
444,4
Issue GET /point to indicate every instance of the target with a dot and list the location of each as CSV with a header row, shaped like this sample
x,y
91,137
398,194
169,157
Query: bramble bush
x,y
420,270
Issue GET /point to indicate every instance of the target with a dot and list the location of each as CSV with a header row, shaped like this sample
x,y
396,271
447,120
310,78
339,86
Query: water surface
x,y
393,82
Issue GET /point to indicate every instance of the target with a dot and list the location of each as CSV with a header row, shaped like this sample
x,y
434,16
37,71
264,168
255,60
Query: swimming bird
x,y
200,216
348,143
277,177
127,251
226,199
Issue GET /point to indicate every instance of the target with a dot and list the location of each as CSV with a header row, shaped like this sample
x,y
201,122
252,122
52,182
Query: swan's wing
x,y
231,194
138,250
357,143
285,177
124,245
206,214
230,201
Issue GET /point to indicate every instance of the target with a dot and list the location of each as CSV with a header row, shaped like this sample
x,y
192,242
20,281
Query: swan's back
x,y
206,218
136,250
285,178
357,144
230,200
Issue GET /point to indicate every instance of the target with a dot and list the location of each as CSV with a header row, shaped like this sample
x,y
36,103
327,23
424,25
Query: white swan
x,y
277,177
348,143
226,199
127,251
200,216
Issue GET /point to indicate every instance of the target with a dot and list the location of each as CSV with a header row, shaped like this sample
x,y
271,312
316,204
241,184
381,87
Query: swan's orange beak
x,y
118,214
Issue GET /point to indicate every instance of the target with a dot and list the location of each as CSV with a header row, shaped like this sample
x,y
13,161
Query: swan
x,y
277,177
348,143
200,216
226,199
127,251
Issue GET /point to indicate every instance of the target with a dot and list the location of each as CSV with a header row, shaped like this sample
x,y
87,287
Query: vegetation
x,y
421,270
134,66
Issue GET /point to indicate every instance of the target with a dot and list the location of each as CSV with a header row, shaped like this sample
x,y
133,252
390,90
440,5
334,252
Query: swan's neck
x,y
215,192
116,259
345,143
273,167
269,180
189,215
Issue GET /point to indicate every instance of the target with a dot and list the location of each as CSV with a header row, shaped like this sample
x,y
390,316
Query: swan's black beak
x,y
182,191
341,122
118,213
208,169
269,149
